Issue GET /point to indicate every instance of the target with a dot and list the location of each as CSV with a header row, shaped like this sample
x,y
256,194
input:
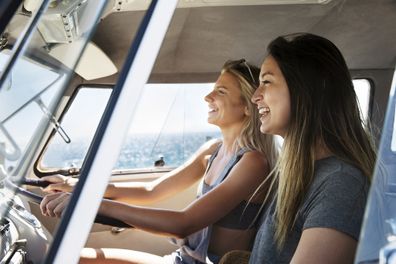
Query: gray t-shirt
x,y
336,199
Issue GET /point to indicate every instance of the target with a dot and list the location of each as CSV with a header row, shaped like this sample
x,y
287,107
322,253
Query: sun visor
x,y
93,64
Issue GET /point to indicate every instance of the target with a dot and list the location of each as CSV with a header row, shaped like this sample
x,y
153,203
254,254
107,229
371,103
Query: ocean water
x,y
139,151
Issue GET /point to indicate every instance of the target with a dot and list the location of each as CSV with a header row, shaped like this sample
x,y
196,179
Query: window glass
x,y
363,92
393,143
80,122
169,125
377,236
36,70
25,100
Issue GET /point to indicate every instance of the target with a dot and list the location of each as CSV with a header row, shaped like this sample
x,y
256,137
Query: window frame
x,y
40,171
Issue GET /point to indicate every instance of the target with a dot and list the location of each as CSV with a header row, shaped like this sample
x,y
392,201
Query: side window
x,y
363,92
169,126
80,123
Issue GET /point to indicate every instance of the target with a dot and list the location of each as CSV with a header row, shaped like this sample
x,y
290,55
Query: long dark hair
x,y
324,110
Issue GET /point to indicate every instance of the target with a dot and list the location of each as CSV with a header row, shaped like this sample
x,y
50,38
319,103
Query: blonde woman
x,y
322,178
221,218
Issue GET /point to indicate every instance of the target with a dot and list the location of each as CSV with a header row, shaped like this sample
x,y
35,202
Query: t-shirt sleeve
x,y
338,202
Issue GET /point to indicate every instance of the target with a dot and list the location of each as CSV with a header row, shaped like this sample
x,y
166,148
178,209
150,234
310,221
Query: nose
x,y
257,96
208,98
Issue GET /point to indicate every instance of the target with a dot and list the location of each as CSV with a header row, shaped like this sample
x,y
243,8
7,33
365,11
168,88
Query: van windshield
x,y
25,101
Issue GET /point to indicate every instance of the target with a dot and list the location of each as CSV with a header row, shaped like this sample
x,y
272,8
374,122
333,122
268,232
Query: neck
x,y
229,138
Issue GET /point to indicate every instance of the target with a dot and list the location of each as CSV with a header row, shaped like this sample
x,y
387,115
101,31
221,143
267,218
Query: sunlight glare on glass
x,y
170,104
393,143
362,89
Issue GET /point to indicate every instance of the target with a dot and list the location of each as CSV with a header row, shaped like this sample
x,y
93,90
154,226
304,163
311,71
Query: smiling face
x,y
226,106
272,99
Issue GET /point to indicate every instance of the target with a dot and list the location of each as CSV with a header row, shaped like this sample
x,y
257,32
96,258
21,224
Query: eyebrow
x,y
266,73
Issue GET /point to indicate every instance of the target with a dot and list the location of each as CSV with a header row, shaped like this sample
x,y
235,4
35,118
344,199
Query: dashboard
x,y
23,239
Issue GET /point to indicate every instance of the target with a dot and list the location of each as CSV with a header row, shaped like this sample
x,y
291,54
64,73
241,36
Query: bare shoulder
x,y
249,174
202,155
255,159
253,167
209,147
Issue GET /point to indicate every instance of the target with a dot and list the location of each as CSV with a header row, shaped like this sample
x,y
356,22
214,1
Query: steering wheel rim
x,y
35,198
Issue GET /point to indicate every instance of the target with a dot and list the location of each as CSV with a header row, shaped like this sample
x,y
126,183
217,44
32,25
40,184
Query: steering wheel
x,y
35,198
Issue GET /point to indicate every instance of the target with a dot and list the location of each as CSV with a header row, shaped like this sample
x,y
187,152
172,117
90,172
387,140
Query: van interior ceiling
x,y
200,39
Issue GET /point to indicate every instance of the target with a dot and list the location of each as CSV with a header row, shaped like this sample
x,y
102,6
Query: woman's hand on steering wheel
x,y
54,204
59,183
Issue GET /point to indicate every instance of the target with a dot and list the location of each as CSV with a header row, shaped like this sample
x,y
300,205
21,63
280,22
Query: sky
x,y
162,107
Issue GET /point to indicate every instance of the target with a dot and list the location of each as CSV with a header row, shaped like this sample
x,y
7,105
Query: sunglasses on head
x,y
245,66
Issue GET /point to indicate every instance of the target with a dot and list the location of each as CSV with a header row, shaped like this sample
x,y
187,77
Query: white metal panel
x,y
91,195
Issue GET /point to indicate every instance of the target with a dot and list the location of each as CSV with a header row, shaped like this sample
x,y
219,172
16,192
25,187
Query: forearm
x,y
161,188
158,221
131,192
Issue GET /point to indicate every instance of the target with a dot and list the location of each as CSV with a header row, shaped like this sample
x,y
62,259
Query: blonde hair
x,y
251,137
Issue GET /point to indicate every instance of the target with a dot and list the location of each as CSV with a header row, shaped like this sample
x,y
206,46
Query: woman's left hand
x,y
54,204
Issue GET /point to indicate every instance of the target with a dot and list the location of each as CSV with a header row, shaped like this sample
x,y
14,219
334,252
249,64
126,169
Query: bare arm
x,y
149,192
242,181
324,245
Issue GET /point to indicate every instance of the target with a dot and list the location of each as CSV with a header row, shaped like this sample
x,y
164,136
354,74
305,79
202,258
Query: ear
x,y
247,112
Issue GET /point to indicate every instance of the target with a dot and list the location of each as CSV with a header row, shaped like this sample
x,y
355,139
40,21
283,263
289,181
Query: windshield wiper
x,y
52,119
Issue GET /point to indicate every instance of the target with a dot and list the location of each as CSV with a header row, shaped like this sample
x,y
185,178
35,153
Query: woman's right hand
x,y
54,204
59,183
